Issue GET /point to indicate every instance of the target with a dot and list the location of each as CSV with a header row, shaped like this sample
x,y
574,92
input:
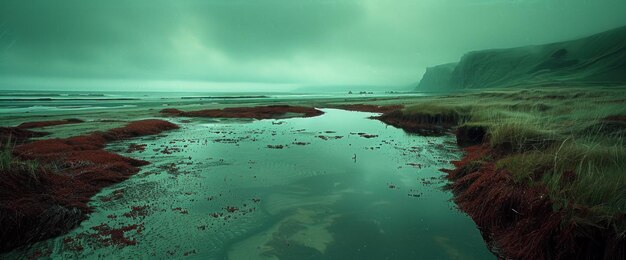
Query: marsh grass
x,y
12,165
556,138
433,113
6,159
38,213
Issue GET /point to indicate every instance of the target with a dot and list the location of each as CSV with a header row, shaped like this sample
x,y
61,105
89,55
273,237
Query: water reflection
x,y
338,186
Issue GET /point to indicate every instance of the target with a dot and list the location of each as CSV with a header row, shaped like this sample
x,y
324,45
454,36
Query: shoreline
x,y
82,162
47,184
517,220
520,219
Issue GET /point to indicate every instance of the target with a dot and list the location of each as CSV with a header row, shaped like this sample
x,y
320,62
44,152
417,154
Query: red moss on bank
x,y
519,221
53,199
17,135
38,124
109,236
423,124
371,108
136,148
259,112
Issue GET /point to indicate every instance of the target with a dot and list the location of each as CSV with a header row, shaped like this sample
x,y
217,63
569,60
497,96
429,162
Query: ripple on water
x,y
373,193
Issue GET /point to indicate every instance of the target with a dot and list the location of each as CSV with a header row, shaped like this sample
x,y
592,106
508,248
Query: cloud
x,y
280,42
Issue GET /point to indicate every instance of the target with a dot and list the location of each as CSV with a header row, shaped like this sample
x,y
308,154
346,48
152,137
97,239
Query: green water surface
x,y
346,197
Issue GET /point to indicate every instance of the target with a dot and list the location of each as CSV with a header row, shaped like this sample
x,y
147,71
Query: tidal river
x,y
337,186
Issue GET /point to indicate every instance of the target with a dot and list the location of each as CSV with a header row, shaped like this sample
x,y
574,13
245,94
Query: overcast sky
x,y
269,45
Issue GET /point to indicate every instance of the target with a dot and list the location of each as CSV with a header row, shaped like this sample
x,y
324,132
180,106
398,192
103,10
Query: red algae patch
x,y
231,209
17,135
181,210
137,212
329,137
108,236
49,123
423,124
370,108
519,221
136,148
259,112
277,146
40,254
53,199
365,135
139,128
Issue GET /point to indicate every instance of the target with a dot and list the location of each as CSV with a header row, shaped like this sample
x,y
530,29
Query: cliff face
x,y
437,77
596,60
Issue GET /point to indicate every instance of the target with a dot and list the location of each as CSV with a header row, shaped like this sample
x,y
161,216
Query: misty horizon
x,y
276,46
313,129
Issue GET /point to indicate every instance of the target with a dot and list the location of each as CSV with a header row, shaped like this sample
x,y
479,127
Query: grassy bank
x,y
46,185
564,146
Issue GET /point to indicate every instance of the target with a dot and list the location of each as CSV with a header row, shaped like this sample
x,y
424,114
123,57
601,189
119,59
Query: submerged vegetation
x,y
566,146
542,176
258,112
45,185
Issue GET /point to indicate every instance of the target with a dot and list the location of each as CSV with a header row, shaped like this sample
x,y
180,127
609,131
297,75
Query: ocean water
x,y
337,186
42,102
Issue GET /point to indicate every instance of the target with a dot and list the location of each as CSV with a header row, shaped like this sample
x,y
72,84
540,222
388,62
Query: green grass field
x,y
569,141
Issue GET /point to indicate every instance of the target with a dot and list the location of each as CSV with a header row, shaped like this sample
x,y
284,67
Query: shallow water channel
x,y
337,186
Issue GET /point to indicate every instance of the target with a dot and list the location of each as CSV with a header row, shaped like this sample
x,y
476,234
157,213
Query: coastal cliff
x,y
595,60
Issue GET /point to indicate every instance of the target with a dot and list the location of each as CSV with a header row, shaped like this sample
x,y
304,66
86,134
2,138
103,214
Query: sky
x,y
275,45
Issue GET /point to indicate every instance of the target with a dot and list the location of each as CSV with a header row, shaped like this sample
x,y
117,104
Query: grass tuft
x,y
568,141
12,165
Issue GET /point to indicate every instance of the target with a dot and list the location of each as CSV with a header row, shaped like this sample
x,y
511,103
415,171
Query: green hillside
x,y
595,60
